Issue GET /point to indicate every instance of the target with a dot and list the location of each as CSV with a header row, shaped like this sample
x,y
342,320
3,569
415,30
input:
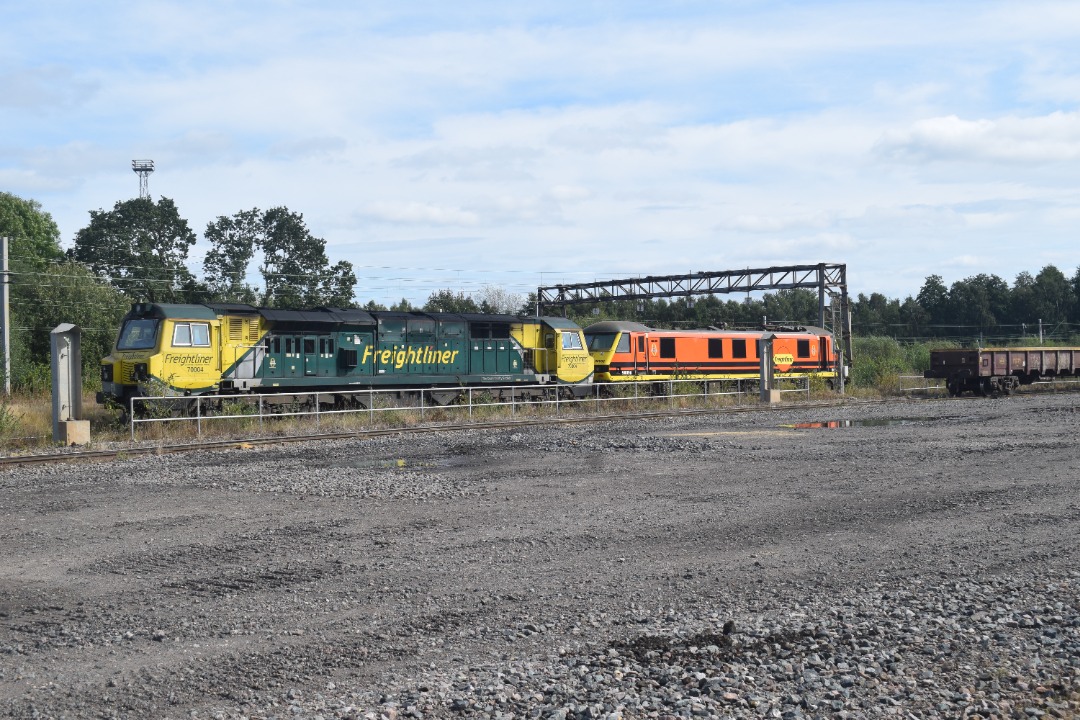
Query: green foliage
x,y
9,421
141,248
450,301
879,361
225,265
32,377
978,310
294,265
63,293
295,270
34,235
875,359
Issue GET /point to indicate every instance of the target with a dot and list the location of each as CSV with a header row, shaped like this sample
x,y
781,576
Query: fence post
x,y
198,416
131,416
260,413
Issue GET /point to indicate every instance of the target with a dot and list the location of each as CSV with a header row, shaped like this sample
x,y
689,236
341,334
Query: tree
x,y
913,318
450,301
1074,283
67,292
33,250
1052,295
140,247
1022,304
934,299
295,270
233,242
33,234
295,265
337,285
494,299
980,302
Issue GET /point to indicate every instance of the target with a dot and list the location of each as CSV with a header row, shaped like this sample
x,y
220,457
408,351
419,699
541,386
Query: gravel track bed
x,y
914,559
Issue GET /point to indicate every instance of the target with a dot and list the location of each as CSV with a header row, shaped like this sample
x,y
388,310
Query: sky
x,y
486,143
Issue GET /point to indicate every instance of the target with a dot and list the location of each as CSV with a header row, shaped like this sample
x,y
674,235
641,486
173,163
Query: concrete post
x,y
765,355
68,426
5,312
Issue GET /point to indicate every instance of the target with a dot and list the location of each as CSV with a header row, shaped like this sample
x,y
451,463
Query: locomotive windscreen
x,y
600,341
138,334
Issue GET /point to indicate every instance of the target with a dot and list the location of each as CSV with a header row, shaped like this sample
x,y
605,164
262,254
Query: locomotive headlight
x,y
141,372
107,373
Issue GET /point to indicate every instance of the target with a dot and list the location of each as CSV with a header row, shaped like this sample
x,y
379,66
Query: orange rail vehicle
x,y
629,351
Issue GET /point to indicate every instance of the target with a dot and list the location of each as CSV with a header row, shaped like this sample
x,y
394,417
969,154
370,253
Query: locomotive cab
x,y
162,349
617,348
558,349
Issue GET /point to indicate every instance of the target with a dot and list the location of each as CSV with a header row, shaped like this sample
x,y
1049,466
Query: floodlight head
x,y
143,168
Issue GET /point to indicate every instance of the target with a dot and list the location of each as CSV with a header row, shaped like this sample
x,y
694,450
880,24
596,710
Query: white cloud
x,y
44,88
774,224
1051,138
420,214
570,193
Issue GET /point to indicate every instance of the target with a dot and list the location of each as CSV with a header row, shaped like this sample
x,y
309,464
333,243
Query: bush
x,y
33,378
879,362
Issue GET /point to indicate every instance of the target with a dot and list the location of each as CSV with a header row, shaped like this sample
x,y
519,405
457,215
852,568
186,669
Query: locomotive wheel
x,y
953,387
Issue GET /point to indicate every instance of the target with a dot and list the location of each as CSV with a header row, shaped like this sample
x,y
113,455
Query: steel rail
x,y
142,450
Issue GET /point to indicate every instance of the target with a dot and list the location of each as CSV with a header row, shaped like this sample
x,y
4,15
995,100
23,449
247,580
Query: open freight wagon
x,y
1000,370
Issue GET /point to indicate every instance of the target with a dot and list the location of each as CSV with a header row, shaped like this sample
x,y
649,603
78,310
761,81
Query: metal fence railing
x,y
917,383
372,407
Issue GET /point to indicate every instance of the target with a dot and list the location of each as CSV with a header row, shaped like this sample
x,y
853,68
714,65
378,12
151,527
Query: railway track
x,y
70,456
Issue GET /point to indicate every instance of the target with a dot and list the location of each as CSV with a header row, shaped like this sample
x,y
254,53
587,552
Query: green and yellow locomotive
x,y
187,350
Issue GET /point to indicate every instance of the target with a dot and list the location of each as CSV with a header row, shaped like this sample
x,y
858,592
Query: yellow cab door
x,y
191,360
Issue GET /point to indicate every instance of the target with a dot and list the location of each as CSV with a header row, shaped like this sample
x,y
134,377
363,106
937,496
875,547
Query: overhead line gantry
x,y
830,280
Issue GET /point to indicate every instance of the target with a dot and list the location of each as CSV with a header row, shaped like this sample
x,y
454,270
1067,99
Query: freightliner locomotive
x,y
188,350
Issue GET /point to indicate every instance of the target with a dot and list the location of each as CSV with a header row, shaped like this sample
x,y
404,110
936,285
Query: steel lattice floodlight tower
x,y
143,168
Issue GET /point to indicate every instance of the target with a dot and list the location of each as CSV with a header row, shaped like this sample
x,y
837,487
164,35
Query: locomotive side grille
x,y
236,329
253,331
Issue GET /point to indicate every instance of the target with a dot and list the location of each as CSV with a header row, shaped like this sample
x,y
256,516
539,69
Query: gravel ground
x,y
919,563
